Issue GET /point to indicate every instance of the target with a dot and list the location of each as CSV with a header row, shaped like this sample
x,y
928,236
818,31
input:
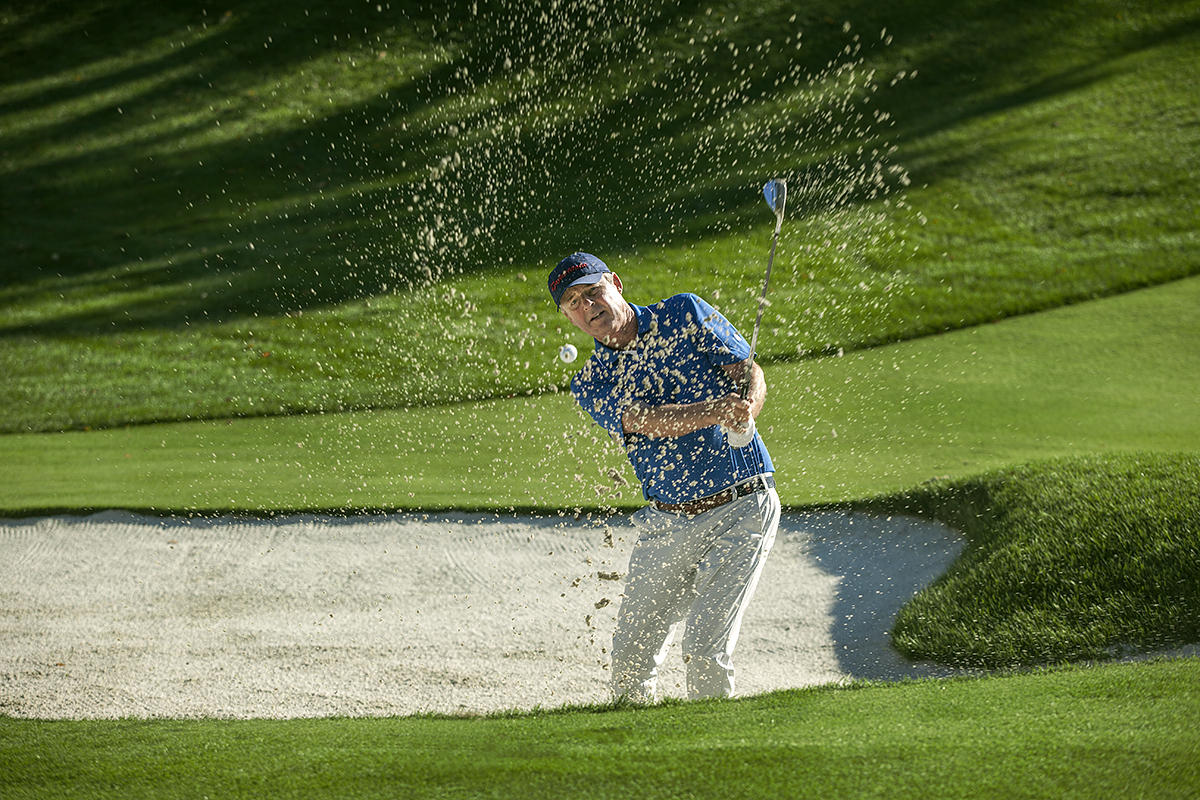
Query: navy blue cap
x,y
573,270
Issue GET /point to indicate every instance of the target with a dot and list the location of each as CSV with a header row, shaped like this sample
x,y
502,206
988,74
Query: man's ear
x,y
617,283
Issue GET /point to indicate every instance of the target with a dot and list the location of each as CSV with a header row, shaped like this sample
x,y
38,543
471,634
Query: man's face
x,y
597,309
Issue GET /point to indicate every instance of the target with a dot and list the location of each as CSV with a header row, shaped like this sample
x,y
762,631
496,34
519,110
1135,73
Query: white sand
x,y
116,615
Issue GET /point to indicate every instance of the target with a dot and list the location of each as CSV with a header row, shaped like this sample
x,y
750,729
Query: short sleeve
x,y
718,339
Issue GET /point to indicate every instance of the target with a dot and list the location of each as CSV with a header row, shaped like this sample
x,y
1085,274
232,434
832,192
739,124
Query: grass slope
x,y
1078,558
1116,374
326,206
1107,731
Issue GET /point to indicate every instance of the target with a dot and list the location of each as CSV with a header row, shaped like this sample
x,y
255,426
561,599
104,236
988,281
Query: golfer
x,y
664,381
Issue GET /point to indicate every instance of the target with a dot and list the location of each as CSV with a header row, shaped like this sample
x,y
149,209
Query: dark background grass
x,y
202,210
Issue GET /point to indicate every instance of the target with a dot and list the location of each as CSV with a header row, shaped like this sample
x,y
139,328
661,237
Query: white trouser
x,y
701,570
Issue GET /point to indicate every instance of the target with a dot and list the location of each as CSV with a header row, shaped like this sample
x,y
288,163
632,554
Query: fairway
x,y
1117,374
1077,733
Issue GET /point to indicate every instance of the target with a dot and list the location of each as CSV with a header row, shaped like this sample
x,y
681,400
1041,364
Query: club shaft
x,y
762,304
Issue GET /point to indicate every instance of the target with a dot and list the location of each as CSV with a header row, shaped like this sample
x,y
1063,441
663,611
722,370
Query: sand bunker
x,y
116,615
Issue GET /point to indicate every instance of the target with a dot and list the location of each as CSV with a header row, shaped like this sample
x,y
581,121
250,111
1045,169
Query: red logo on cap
x,y
567,274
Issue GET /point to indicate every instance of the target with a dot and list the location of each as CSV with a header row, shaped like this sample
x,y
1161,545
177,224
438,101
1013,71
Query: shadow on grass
x,y
567,132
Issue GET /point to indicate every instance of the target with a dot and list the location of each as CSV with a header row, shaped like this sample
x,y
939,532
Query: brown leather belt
x,y
694,507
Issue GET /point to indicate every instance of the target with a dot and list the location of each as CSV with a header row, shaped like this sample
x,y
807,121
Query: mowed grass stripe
x,y
1115,374
1116,730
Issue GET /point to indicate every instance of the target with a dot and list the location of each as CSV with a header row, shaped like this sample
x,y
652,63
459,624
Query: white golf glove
x,y
740,438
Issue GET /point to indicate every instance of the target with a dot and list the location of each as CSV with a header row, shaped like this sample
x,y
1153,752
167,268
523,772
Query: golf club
x,y
775,193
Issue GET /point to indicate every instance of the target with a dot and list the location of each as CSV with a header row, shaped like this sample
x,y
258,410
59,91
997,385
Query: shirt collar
x,y
645,318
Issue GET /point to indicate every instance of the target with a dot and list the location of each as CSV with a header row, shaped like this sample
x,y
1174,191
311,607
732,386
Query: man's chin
x,y
605,336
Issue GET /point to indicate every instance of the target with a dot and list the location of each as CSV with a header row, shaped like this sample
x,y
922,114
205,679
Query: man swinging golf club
x,y
676,386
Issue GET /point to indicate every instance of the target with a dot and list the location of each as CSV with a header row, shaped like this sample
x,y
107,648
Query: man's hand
x,y
748,372
732,412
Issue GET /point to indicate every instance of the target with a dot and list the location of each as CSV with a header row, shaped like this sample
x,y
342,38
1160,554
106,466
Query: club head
x,y
776,194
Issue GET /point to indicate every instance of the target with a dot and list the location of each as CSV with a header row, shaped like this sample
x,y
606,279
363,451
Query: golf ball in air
x,y
567,353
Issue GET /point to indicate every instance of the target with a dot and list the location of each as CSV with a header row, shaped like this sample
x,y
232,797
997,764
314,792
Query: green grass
x,y
1121,730
1072,559
210,214
1119,374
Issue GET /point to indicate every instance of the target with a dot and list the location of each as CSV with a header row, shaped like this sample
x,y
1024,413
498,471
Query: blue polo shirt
x,y
682,343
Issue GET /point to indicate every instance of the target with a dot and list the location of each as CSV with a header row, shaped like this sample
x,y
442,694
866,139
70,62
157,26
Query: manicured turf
x,y
209,214
1077,558
1116,374
1113,731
